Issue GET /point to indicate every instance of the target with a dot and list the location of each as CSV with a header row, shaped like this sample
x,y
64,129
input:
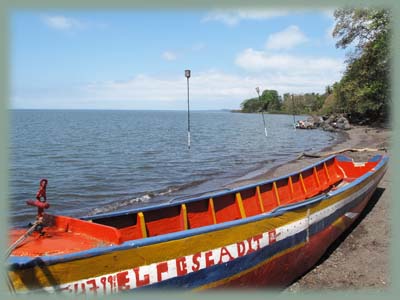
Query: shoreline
x,y
274,170
360,258
357,137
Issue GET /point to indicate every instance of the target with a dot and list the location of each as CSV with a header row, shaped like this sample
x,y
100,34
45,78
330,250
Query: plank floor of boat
x,y
53,242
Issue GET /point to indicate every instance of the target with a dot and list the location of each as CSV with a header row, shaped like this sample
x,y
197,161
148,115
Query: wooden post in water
x,y
293,111
262,111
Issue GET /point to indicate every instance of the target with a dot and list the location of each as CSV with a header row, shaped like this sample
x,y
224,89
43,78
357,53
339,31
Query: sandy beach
x,y
360,258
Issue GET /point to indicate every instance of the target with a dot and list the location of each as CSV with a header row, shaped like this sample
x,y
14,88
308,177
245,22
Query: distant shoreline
x,y
268,112
115,109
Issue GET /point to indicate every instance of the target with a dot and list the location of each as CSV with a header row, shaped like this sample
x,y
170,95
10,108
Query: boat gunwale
x,y
22,262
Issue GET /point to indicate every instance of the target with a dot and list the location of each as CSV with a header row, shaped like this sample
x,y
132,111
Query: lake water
x,y
101,161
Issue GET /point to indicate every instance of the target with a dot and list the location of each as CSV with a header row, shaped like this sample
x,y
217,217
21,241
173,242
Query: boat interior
x,y
63,235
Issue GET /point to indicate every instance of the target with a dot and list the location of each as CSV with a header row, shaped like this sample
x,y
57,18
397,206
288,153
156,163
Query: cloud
x,y
68,24
62,23
233,17
260,61
286,39
168,55
210,89
182,52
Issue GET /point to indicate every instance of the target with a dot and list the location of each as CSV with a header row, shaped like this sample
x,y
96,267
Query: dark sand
x,y
360,258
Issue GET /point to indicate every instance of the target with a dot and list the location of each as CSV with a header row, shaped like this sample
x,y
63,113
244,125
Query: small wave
x,y
145,167
176,188
144,198
168,191
191,184
119,204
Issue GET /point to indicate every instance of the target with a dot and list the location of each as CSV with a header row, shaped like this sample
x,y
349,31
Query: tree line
x,y
364,89
272,102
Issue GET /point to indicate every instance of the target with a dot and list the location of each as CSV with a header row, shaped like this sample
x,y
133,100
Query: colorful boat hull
x,y
270,249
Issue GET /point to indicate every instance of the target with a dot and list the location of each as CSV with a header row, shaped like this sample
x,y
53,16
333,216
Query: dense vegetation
x,y
269,100
364,90
290,103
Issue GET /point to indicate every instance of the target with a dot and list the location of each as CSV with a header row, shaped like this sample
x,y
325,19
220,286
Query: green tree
x,y
328,90
287,104
250,105
364,88
271,100
302,103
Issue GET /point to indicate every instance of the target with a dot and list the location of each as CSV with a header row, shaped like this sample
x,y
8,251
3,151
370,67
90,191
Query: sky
x,y
136,59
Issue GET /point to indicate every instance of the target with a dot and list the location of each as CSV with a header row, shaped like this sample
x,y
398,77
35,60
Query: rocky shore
x,y
334,122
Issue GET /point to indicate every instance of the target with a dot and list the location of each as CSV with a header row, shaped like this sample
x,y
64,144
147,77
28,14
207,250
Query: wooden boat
x,y
264,234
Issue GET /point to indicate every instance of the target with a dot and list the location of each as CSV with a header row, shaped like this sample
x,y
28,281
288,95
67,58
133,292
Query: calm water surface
x,y
100,161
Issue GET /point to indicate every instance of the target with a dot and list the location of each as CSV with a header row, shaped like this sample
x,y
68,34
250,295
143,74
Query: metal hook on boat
x,y
41,205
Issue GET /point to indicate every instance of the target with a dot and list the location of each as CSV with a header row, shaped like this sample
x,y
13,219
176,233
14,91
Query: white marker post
x,y
262,111
293,111
187,74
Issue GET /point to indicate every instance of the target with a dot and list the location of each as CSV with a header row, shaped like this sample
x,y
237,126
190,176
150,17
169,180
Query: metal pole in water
x,y
294,116
262,111
187,74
